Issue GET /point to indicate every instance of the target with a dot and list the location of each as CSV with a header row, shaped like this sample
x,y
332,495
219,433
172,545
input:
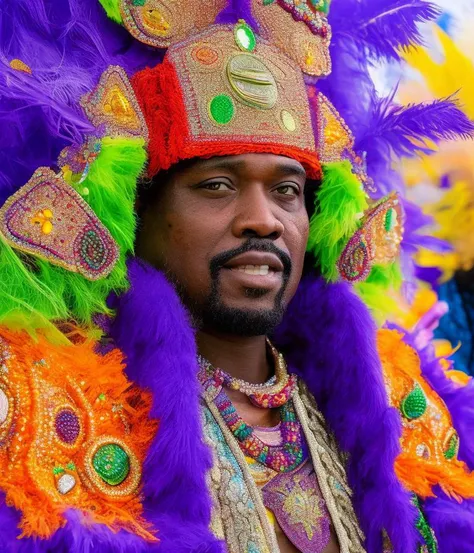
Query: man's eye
x,y
288,190
216,186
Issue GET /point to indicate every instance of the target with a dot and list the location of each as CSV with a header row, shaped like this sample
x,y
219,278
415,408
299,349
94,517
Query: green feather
x,y
112,9
35,293
340,202
374,290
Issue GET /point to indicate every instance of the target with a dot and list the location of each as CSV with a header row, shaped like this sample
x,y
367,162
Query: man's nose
x,y
255,215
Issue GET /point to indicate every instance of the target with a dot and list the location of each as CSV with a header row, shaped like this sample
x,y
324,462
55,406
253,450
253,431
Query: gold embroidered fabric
x,y
225,88
239,515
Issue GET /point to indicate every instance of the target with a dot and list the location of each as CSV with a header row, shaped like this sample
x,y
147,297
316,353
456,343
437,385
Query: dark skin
x,y
214,206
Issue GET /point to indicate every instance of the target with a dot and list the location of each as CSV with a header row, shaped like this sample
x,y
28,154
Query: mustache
x,y
255,245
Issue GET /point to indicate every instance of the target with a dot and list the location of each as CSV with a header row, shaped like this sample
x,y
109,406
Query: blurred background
x,y
441,302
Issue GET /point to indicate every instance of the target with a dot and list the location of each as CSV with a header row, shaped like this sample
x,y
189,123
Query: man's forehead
x,y
281,165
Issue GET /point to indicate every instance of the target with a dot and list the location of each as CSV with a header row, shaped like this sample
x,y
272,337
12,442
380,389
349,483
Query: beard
x,y
211,312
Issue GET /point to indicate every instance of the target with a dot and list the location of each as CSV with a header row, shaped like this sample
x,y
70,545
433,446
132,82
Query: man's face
x,y
231,233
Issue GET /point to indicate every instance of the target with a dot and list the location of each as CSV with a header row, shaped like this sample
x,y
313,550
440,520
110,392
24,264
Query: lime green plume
x,y
35,293
340,202
375,290
112,9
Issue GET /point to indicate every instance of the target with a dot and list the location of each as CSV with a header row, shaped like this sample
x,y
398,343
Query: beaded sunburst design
x,y
47,218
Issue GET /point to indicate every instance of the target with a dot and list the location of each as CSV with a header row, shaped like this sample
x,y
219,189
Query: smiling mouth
x,y
259,270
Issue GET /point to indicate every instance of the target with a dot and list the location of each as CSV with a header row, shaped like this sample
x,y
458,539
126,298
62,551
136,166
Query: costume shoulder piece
x,y
429,442
74,433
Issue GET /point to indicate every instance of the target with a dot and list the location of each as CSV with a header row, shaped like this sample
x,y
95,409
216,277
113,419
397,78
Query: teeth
x,y
262,270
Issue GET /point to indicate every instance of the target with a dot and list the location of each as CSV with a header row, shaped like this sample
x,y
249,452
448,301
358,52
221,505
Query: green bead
x,y
112,464
138,2
390,219
453,447
245,37
58,470
222,109
413,406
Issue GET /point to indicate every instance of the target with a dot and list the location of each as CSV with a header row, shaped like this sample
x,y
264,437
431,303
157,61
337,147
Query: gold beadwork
x,y
252,81
77,241
334,136
161,23
113,104
262,83
295,38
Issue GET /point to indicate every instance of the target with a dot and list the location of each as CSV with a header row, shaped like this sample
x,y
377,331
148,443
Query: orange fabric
x,y
422,464
40,381
161,100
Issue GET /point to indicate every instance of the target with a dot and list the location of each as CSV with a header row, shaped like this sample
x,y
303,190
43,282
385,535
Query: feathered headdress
x,y
79,129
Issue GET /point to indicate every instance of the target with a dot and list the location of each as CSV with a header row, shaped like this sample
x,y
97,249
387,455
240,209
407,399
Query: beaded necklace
x,y
274,393
280,458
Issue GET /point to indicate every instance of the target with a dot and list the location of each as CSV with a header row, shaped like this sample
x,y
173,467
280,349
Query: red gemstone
x,y
67,426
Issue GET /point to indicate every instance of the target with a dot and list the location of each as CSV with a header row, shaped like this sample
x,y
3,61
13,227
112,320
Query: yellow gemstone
x,y
48,214
288,120
155,21
47,227
19,65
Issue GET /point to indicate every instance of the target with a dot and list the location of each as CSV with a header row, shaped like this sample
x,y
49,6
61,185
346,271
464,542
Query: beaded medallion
x,y
376,242
49,219
113,105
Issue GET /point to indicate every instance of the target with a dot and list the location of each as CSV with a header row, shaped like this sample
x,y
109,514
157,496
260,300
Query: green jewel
x,y
71,466
58,470
222,109
244,37
101,397
268,2
414,404
390,219
138,2
453,447
112,464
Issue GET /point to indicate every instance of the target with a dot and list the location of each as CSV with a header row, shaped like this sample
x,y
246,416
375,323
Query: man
x,y
218,445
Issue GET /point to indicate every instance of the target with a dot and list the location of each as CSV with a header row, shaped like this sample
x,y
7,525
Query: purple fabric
x,y
329,339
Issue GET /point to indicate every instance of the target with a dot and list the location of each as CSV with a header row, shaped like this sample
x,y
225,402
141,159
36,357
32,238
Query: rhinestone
x,y
245,37
4,406
67,426
66,483
112,464
413,406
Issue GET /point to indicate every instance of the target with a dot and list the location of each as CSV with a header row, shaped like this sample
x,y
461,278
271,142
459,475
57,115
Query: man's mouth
x,y
262,270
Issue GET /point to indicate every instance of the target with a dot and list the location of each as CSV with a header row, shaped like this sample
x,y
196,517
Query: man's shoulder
x,y
73,435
